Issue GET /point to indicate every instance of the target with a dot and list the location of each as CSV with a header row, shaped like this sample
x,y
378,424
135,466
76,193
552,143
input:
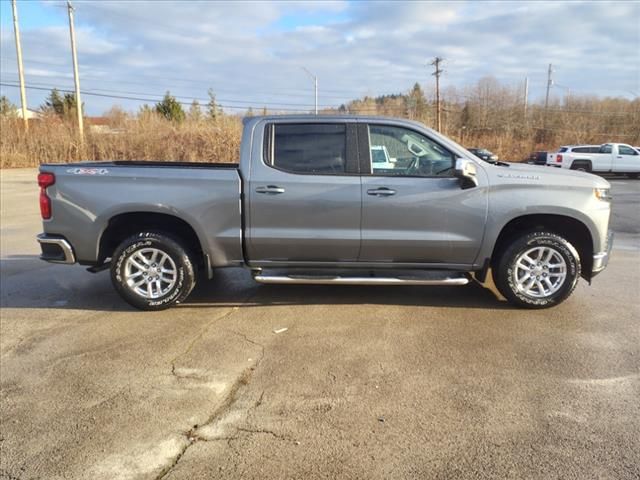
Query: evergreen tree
x,y
7,109
170,108
146,111
54,103
195,112
62,105
416,102
213,111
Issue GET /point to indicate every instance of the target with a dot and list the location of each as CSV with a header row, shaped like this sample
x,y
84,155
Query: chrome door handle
x,y
381,192
270,190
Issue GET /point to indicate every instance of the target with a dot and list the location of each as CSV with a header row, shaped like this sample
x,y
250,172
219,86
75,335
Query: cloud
x,y
254,51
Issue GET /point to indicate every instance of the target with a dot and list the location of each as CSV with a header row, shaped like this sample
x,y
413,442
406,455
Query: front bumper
x,y
601,259
55,249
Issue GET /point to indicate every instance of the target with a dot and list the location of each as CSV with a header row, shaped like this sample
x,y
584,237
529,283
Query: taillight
x,y
45,180
559,158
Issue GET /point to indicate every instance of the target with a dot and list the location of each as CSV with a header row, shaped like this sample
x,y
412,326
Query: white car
x,y
380,158
566,149
608,158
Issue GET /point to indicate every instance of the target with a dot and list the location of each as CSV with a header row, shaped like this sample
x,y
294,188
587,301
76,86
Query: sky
x,y
253,53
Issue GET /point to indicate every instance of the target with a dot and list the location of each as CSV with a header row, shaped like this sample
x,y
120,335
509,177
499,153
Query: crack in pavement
x,y
243,380
199,337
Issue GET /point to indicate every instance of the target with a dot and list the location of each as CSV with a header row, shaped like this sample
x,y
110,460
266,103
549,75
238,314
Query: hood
x,y
544,175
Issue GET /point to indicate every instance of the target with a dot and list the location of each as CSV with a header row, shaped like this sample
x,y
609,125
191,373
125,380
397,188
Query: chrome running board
x,y
330,280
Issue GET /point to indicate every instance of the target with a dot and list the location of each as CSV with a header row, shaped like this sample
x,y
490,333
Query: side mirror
x,y
466,171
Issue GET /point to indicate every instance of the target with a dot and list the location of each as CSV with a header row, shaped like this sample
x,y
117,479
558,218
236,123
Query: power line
x,y
189,97
90,77
202,82
139,99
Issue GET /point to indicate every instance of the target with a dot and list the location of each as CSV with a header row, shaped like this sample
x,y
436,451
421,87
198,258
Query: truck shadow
x,y
210,294
29,283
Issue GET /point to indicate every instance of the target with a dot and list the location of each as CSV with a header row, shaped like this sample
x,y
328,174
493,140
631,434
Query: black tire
x,y
505,271
185,276
581,165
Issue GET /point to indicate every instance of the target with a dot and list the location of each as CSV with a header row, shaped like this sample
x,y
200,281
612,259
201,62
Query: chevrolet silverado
x,y
307,203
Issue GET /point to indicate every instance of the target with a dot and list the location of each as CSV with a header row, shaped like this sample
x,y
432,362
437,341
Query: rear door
x,y
304,195
416,212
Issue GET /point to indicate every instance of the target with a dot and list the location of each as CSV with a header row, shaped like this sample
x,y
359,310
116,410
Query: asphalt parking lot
x,y
365,382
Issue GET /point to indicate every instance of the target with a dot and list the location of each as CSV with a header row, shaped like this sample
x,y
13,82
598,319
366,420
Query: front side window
x,y
308,148
624,150
403,152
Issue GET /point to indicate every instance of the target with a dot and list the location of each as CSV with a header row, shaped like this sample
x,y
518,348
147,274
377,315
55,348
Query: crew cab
x,y
608,158
307,203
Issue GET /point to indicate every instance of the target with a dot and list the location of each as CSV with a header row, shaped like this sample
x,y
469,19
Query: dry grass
x,y
52,140
501,129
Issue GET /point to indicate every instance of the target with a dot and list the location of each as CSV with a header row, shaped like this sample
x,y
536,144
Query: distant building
x,y
101,125
31,114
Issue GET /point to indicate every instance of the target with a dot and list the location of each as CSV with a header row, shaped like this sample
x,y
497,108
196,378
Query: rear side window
x,y
308,148
605,149
563,149
586,149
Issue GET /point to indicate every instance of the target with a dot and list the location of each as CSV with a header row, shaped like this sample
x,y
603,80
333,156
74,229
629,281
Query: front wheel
x,y
538,270
152,271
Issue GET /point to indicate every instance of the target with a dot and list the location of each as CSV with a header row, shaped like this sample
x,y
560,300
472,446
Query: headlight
x,y
602,194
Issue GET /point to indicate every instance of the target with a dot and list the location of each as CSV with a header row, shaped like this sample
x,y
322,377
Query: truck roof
x,y
330,118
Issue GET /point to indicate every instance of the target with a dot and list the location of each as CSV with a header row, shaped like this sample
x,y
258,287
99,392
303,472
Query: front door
x,y
415,211
304,196
627,160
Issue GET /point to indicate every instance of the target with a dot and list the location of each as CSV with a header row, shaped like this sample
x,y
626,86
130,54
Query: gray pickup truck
x,y
306,204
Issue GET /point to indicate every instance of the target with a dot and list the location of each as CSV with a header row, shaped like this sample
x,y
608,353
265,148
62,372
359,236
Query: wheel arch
x,y
575,164
570,228
123,225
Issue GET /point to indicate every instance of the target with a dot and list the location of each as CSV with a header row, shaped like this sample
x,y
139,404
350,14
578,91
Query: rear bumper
x,y
601,259
55,249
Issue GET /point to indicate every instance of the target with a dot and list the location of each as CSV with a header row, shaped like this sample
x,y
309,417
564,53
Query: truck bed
x,y
87,196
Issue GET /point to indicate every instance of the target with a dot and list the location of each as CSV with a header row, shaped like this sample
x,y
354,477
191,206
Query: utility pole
x,y
76,76
549,84
23,95
526,98
315,86
546,100
436,63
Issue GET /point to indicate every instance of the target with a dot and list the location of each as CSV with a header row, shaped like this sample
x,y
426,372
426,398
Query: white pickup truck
x,y
608,158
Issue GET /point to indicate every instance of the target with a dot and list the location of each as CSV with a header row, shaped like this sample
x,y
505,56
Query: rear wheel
x,y
581,165
152,271
538,270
